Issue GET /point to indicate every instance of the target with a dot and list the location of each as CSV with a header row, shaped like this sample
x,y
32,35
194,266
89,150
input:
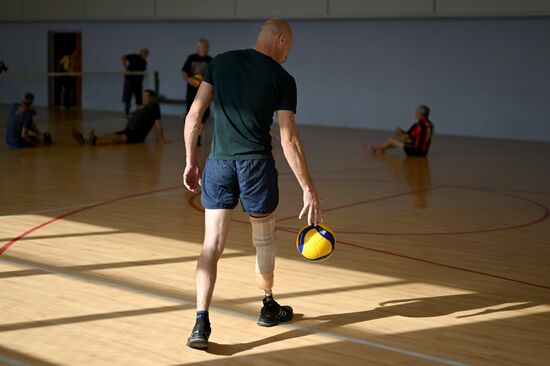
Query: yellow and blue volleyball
x,y
316,243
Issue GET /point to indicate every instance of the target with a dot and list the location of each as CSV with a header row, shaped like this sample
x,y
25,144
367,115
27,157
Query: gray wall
x,y
254,9
482,77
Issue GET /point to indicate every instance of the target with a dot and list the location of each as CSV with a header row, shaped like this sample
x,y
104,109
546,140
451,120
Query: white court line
x,y
296,326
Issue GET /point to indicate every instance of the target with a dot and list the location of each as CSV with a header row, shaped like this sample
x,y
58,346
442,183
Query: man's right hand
x,y
192,177
312,208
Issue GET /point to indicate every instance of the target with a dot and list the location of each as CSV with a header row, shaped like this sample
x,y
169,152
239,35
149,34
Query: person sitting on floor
x,y
137,129
414,142
21,130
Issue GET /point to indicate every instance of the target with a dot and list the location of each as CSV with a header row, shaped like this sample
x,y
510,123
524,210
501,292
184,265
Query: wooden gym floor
x,y
439,261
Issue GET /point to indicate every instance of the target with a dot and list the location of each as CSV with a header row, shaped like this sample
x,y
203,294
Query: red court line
x,y
545,215
371,200
445,265
194,205
69,213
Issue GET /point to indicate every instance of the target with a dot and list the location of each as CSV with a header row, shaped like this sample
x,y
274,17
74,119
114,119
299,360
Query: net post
x,y
157,87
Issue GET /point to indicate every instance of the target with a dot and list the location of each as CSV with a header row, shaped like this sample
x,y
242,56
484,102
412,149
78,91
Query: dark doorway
x,y
64,55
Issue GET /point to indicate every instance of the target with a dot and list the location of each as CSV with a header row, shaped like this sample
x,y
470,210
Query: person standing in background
x,y
193,73
68,63
133,84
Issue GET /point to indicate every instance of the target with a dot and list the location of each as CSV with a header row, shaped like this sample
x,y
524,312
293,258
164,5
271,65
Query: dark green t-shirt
x,y
248,88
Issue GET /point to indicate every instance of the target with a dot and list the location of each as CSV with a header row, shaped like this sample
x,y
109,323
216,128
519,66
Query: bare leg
x,y
216,224
390,143
110,139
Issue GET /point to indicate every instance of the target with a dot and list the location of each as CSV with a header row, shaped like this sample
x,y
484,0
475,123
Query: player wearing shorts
x,y
248,87
414,142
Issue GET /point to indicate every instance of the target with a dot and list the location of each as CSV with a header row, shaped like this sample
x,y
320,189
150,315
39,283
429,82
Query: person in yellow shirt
x,y
68,63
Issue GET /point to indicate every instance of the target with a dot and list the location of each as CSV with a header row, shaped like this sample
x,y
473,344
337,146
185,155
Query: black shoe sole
x,y
197,343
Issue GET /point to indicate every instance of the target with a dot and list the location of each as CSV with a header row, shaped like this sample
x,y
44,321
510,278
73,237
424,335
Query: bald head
x,y
144,52
275,39
274,27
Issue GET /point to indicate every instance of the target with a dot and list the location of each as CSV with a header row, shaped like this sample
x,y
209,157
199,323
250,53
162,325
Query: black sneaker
x,y
272,313
199,335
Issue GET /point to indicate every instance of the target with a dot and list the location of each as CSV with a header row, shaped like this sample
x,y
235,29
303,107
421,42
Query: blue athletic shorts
x,y
254,182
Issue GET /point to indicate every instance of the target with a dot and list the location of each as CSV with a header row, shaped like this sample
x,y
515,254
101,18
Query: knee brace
x,y
263,238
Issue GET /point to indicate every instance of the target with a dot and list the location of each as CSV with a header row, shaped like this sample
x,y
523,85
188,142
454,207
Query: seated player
x,y
415,142
137,129
21,131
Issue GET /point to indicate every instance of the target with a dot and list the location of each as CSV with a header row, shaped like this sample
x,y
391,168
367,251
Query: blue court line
x,y
239,314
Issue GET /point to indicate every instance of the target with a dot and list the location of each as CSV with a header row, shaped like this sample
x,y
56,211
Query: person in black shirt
x,y
193,73
133,84
414,142
249,86
137,129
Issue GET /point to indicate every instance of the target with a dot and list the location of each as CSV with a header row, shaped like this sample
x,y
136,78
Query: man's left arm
x,y
35,129
158,125
405,136
29,125
160,132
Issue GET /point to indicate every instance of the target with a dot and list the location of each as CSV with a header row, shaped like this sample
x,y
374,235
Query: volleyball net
x,y
90,89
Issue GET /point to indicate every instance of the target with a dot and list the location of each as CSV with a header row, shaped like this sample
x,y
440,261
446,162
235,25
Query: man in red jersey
x,y
415,142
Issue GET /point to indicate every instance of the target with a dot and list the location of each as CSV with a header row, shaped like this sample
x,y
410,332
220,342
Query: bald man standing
x,y
248,87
